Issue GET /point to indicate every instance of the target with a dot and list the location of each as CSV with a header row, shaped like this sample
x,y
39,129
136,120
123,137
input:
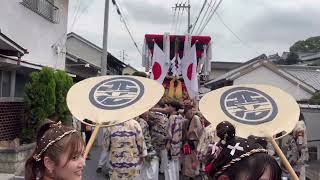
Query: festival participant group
x,y
173,141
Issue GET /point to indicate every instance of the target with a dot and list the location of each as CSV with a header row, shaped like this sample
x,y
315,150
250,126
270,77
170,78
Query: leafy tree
x,y
63,84
311,44
40,100
315,99
292,58
45,97
280,61
40,94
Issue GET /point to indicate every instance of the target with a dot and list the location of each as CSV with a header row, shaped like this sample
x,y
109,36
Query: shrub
x,y
45,97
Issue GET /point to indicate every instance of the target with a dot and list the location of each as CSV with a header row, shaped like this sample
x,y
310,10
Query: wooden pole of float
x,y
91,140
283,159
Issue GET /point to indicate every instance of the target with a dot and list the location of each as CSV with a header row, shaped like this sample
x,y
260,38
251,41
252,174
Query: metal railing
x,y
44,8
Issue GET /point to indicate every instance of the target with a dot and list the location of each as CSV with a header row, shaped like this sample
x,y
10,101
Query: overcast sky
x,y
263,26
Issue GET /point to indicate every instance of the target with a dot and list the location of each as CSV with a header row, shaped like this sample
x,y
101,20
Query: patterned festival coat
x,y
147,137
175,133
127,146
158,130
207,139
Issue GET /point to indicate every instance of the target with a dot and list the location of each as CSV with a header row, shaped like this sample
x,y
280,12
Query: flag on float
x,y
189,71
160,64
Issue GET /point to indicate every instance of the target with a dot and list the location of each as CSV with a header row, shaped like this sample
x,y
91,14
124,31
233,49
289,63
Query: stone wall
x,y
12,160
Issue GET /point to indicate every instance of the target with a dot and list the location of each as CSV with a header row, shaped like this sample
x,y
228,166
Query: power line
x,y
75,18
205,14
175,16
181,18
173,19
208,20
234,34
200,12
75,15
123,20
177,19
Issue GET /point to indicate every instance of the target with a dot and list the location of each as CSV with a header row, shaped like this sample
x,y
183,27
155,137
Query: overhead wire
x,y
177,19
75,15
173,19
173,25
234,34
181,18
200,12
75,18
205,14
210,17
207,17
123,20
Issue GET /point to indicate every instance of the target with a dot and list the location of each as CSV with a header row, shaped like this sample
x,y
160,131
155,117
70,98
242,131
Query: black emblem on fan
x,y
248,105
116,93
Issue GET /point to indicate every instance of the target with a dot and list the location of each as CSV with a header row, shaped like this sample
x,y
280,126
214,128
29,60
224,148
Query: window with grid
x,y
44,8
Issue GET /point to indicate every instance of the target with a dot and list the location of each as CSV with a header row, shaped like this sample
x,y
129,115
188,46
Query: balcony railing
x,y
44,8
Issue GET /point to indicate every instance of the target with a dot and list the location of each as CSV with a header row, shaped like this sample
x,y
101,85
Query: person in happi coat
x,y
104,158
296,149
174,140
193,130
158,122
150,168
127,148
300,135
207,139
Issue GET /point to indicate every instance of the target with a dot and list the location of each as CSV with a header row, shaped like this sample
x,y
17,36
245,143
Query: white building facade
x,y
39,27
32,36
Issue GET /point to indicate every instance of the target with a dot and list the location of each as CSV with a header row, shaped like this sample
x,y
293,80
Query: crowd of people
x,y
173,139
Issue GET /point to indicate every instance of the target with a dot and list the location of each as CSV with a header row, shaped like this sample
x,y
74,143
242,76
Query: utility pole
x,y
188,7
189,25
104,58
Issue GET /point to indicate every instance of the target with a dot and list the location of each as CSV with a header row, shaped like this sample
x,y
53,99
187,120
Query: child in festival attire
x,y
235,158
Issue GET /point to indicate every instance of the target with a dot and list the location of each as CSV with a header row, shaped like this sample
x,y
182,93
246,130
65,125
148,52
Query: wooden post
x,y
283,159
91,141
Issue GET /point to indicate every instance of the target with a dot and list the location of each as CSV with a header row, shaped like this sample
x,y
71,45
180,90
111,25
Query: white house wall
x,y
34,32
263,75
84,51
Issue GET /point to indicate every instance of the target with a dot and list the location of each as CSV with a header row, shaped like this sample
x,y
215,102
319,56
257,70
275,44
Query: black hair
x,y
253,167
248,168
225,131
175,104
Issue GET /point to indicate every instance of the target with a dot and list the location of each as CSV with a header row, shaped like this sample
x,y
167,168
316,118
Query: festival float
x,y
179,62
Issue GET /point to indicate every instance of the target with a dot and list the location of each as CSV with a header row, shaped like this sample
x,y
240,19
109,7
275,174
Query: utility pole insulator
x,y
184,6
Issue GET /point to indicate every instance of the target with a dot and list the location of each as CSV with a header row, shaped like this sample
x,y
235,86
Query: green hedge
x,y
45,96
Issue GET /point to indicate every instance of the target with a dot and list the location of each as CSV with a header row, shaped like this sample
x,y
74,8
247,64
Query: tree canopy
x,y
315,99
311,45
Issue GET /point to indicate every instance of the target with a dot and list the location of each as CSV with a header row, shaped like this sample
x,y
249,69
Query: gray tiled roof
x,y
307,74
